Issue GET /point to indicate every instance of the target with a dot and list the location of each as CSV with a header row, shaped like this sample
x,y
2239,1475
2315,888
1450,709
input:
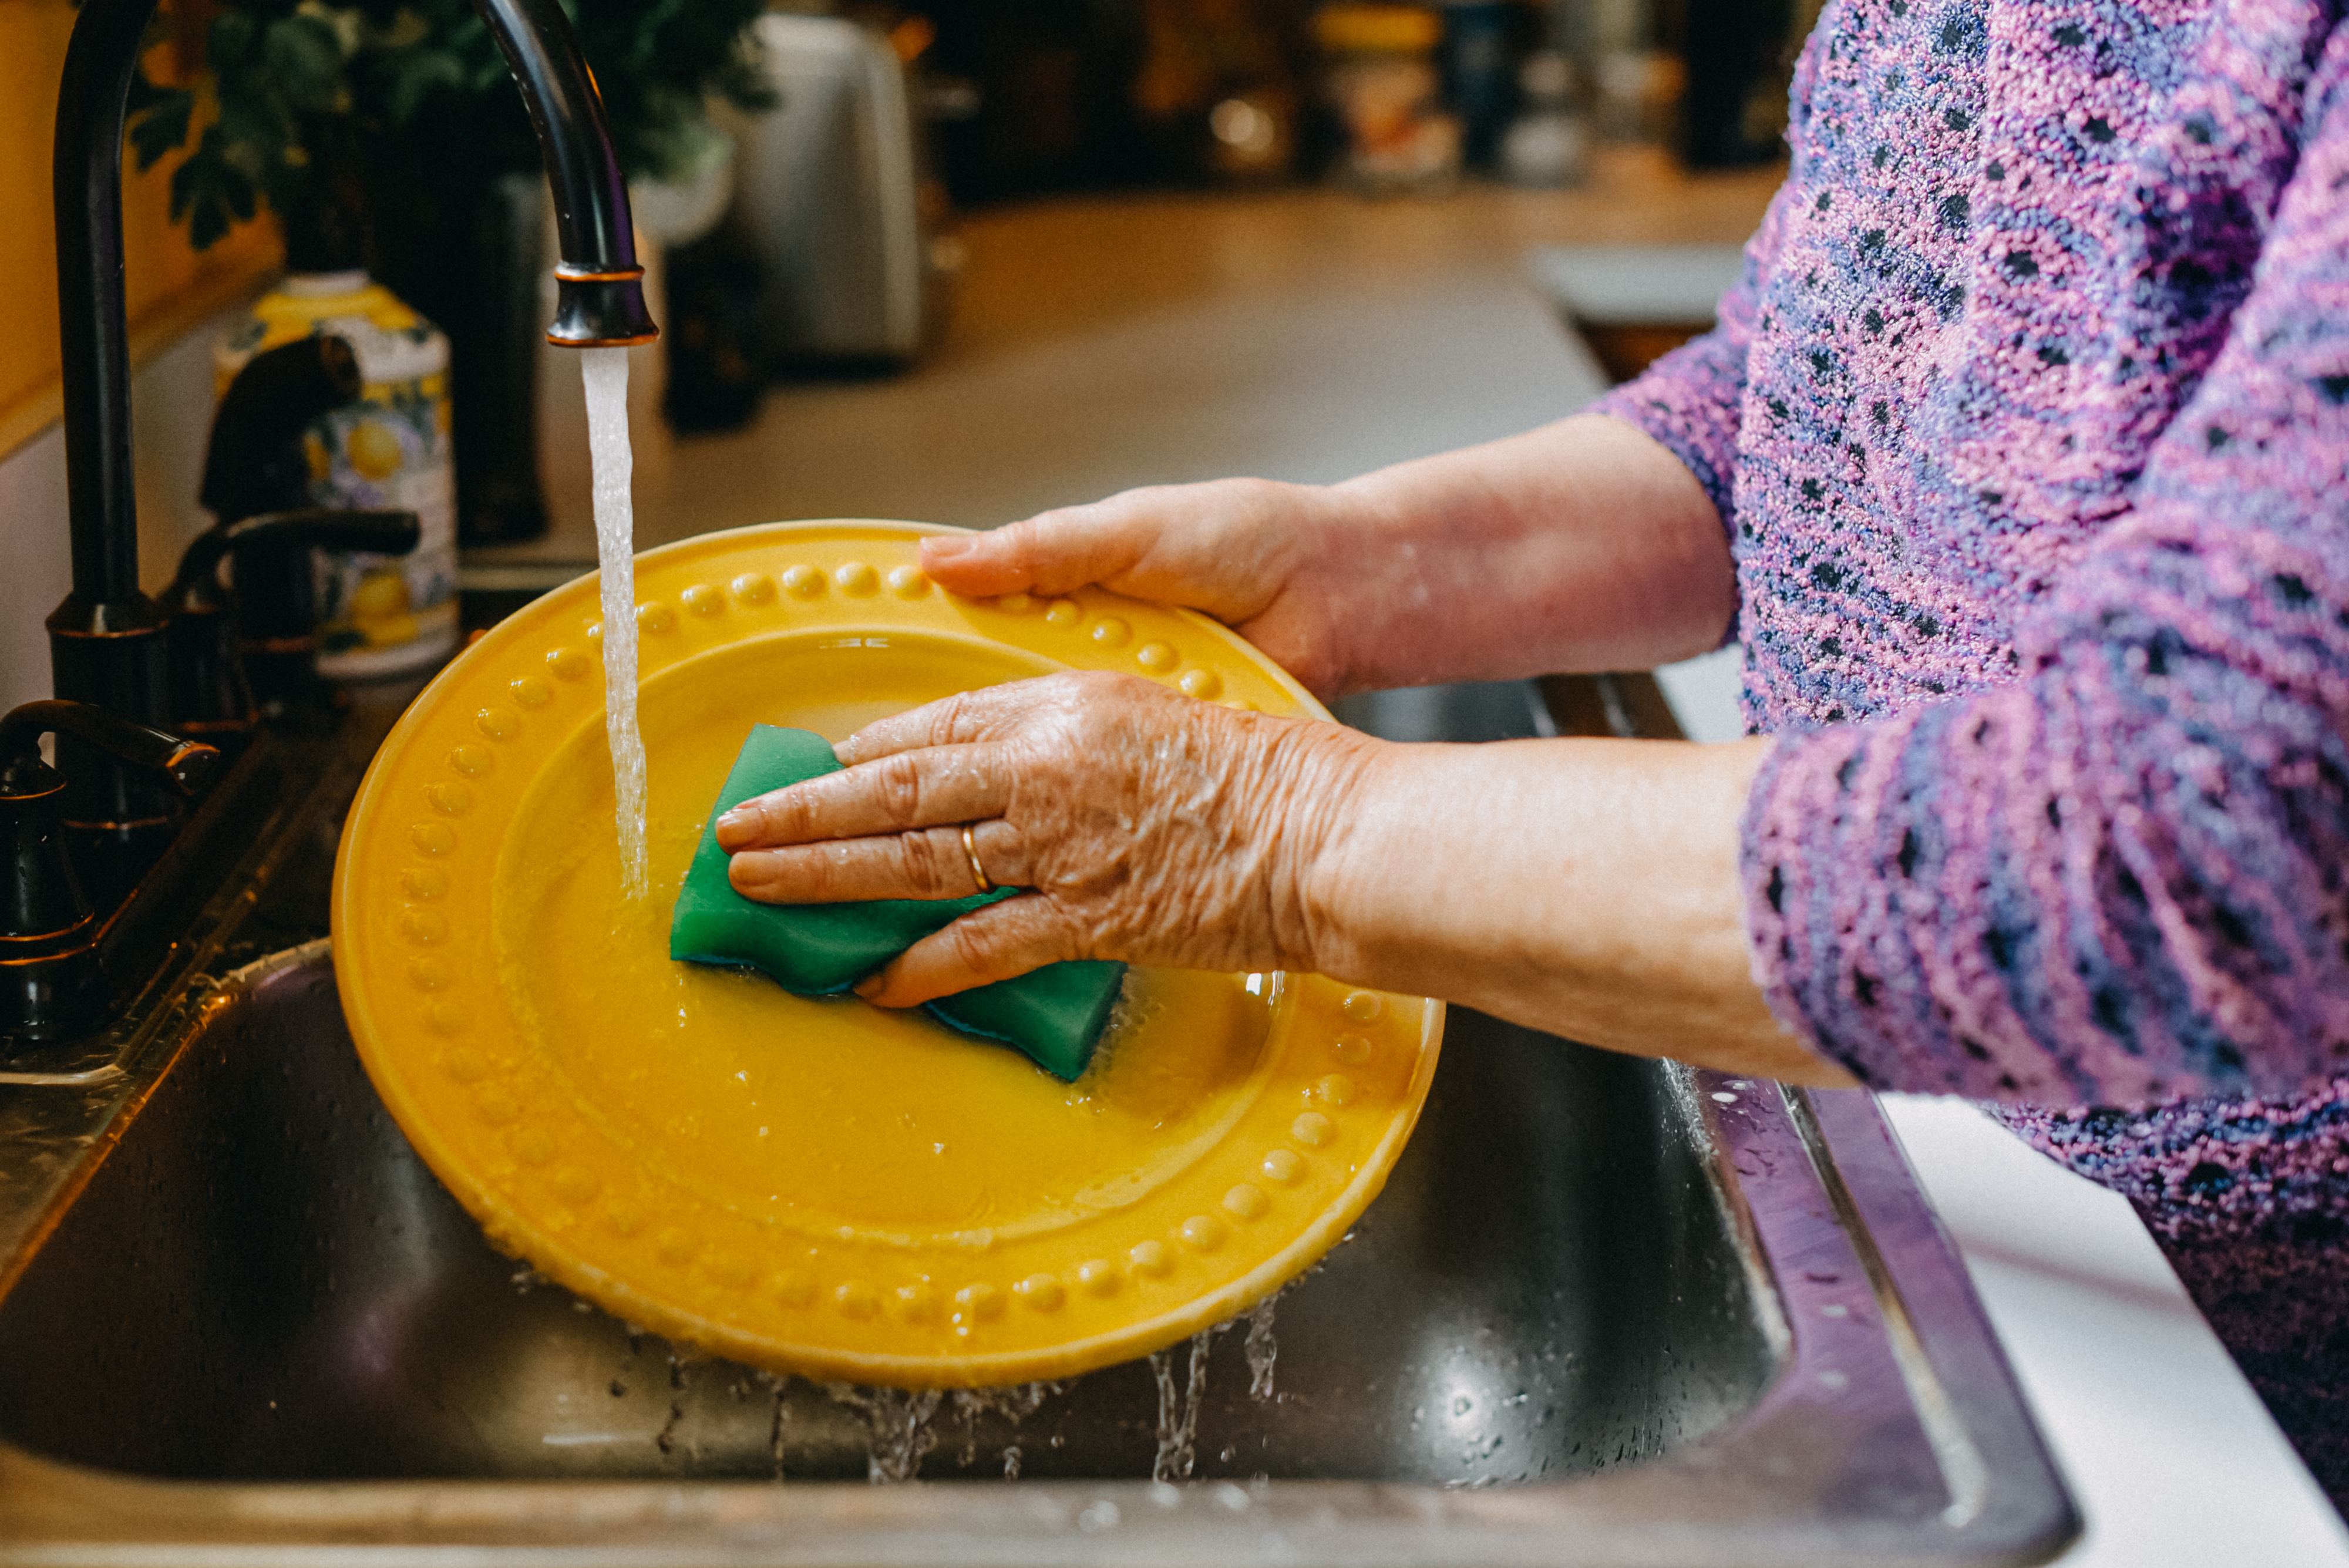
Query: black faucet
x,y
55,979
599,297
106,640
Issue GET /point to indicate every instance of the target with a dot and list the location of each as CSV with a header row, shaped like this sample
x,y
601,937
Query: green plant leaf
x,y
210,194
303,58
427,74
231,44
253,130
414,77
159,125
144,94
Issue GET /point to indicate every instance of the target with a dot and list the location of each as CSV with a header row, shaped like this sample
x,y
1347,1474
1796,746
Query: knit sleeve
x,y
1691,399
2124,877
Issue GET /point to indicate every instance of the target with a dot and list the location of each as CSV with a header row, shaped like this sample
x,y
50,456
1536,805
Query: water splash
x,y
1178,1416
777,1432
1262,1349
1015,1403
605,372
901,1428
666,1438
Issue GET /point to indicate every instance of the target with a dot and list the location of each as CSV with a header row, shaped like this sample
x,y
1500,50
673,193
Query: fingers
x,y
1050,553
930,863
926,787
997,942
963,719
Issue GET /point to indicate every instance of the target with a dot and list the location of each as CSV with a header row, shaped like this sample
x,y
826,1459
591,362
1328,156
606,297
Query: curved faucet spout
x,y
106,641
96,359
600,297
599,289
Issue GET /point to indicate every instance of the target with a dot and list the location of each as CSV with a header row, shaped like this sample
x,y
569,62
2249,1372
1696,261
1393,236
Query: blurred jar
x,y
1215,94
1549,143
1479,81
1384,87
378,615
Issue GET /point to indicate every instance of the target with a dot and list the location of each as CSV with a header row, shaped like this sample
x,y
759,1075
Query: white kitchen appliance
x,y
832,193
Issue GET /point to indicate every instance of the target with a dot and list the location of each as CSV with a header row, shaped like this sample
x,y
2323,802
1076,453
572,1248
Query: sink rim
x,y
1824,1213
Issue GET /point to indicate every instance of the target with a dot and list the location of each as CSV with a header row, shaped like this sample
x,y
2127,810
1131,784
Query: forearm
x,y
1584,545
1586,887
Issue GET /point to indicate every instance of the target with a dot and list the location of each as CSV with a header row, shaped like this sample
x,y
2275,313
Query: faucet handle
x,y
253,462
189,765
218,661
197,586
42,906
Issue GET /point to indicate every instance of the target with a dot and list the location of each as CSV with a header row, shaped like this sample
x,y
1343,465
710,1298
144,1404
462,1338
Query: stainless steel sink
x,y
1606,1312
1546,1289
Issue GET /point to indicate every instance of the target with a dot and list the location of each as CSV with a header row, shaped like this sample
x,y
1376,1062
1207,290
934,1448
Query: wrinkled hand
x,y
1145,825
1263,557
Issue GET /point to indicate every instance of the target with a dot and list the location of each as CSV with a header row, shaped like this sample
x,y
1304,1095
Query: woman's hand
x,y
1266,559
1587,887
1145,826
1581,545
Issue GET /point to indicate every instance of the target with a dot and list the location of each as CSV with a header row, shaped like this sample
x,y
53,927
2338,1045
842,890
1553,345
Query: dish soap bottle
x,y
378,615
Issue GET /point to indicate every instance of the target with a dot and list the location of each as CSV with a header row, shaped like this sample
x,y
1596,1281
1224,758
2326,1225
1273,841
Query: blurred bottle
x,y
1215,93
1384,87
1479,43
1733,110
1639,94
1549,144
1045,91
378,615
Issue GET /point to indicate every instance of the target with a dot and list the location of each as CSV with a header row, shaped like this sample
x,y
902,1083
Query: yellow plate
x,y
814,1185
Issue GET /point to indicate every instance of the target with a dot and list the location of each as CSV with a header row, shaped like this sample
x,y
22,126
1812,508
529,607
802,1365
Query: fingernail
x,y
946,546
870,987
731,828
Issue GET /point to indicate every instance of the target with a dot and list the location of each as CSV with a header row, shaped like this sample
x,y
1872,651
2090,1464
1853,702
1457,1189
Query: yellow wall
x,y
170,285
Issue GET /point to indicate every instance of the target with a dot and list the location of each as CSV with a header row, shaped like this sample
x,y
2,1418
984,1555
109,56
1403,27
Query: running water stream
x,y
900,1424
1262,1349
605,371
1178,1414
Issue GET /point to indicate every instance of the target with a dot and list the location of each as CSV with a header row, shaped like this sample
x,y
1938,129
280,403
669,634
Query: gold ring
x,y
978,872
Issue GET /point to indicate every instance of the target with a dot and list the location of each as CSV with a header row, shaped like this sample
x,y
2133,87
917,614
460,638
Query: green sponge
x,y
1054,1015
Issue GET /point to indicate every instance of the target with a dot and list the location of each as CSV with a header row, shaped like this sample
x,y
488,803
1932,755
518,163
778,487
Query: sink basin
x,y
1601,1303
1606,1312
1545,1288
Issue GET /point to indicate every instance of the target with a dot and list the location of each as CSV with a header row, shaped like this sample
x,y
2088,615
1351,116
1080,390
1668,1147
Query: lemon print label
x,y
376,613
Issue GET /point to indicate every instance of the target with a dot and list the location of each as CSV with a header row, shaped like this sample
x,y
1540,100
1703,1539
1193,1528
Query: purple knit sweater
x,y
2029,423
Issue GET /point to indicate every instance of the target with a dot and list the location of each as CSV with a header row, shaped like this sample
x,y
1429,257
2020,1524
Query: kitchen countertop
x,y
1101,344
2170,1456
1104,343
